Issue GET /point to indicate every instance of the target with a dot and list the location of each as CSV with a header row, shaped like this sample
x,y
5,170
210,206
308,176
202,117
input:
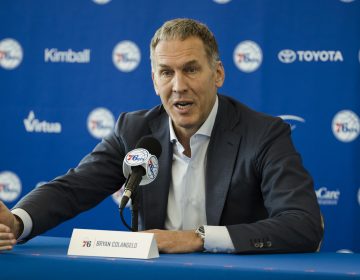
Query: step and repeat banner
x,y
69,68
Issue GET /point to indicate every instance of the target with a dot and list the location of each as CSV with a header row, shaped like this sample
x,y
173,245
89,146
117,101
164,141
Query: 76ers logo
x,y
137,157
152,168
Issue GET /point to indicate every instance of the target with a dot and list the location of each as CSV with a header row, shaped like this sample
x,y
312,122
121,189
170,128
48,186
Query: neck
x,y
184,138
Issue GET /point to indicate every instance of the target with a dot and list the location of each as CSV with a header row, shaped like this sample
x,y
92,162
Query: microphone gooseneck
x,y
140,167
134,180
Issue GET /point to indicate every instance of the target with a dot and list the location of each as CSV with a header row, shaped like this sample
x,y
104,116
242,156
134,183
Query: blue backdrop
x,y
69,68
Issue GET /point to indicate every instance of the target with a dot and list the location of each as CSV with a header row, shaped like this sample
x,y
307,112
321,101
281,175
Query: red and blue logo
x,y
137,157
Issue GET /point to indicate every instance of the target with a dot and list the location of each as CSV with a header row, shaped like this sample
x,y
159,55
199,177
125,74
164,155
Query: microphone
x,y
140,166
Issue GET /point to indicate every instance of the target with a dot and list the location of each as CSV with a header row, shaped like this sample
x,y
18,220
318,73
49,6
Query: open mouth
x,y
183,105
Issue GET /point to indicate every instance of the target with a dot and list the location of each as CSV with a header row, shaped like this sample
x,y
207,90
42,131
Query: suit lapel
x,y
221,156
155,195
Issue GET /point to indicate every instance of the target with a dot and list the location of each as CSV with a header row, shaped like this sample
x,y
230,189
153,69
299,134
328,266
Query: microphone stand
x,y
132,183
134,212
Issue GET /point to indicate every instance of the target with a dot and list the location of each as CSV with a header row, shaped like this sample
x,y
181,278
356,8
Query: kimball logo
x,y
34,125
55,56
289,56
327,197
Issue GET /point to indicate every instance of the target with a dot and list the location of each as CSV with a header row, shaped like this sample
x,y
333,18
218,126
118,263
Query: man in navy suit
x,y
230,179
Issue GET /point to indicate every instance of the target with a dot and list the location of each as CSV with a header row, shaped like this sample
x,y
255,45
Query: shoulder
x,y
131,126
141,115
140,118
252,126
238,114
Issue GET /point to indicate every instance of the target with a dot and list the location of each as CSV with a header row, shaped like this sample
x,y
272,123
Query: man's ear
x,y
154,83
220,74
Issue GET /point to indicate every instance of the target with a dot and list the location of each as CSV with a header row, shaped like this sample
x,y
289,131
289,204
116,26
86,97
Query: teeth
x,y
182,104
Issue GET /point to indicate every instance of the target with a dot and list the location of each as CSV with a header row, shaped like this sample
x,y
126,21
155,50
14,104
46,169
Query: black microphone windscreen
x,y
151,144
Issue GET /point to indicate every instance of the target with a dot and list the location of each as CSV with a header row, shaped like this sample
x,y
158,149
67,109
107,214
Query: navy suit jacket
x,y
256,184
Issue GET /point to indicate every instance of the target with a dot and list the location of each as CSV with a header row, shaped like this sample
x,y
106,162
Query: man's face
x,y
185,82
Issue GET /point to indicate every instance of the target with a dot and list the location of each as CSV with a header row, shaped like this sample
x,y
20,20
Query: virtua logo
x,y
327,197
289,56
34,125
69,56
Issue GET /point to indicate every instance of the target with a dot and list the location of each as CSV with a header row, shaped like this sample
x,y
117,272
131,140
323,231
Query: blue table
x,y
46,258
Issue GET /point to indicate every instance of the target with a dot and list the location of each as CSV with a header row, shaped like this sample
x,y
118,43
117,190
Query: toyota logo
x,y
287,56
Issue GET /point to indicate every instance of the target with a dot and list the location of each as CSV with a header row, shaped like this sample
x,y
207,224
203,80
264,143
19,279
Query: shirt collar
x,y
206,127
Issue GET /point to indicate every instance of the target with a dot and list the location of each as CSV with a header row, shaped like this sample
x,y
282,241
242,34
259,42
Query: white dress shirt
x,y
186,209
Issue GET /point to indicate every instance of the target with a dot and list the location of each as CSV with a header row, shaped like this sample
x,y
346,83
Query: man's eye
x,y
191,70
165,73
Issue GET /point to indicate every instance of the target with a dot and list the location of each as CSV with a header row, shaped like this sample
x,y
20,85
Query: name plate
x,y
118,244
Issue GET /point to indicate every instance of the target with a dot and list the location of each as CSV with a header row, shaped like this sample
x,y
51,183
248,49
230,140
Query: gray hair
x,y
183,28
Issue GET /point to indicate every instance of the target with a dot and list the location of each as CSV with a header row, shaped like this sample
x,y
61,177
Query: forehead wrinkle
x,y
191,62
165,49
175,53
169,54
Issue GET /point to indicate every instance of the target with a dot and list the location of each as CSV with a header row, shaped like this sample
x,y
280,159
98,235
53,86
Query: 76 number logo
x,y
86,243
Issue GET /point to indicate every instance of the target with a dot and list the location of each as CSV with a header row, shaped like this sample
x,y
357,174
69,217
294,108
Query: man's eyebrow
x,y
191,62
163,66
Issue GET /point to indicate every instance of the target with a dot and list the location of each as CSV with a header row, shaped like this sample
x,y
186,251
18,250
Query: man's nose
x,y
179,83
